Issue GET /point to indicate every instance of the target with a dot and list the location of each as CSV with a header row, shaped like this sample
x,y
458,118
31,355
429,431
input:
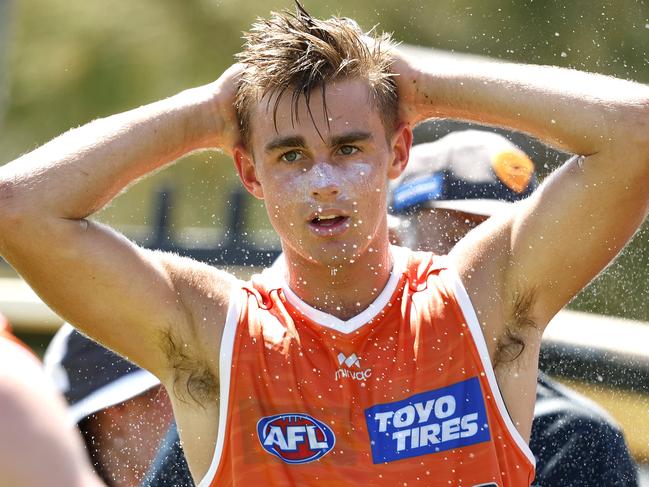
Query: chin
x,y
334,253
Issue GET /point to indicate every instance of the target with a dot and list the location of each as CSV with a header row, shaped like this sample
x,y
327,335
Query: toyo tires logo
x,y
295,437
429,422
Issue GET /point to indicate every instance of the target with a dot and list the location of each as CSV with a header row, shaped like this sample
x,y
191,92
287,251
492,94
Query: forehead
x,y
345,105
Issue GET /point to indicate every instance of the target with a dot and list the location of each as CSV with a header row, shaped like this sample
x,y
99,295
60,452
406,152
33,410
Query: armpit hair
x,y
193,379
517,327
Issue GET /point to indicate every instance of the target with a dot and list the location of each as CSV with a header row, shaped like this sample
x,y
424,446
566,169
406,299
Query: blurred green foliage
x,y
70,61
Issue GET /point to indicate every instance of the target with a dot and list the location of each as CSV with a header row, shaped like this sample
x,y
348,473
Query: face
x,y
323,173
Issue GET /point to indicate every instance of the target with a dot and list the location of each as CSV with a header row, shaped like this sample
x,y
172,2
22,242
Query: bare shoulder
x,y
192,352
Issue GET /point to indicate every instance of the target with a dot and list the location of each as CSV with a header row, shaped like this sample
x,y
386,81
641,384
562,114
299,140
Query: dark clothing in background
x,y
169,469
576,444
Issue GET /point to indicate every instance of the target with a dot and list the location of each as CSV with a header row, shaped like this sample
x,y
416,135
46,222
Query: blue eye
x,y
291,156
348,150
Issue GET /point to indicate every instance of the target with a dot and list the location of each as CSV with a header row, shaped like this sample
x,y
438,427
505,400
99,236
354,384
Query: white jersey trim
x,y
478,338
225,371
399,259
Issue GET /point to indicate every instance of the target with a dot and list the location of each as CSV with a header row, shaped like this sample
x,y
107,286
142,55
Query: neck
x,y
341,290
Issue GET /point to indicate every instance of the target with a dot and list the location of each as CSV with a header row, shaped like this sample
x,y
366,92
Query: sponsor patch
x,y
350,368
295,437
430,422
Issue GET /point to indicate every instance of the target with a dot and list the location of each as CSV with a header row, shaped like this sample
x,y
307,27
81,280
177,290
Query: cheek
x,y
370,181
283,195
366,183
362,172
281,181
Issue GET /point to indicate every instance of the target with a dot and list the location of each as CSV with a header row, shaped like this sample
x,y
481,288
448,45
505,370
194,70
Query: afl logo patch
x,y
295,437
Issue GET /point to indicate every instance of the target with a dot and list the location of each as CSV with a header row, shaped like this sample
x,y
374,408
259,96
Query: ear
x,y
245,165
400,144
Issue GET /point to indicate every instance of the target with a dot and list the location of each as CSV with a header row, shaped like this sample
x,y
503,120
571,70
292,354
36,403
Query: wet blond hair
x,y
298,54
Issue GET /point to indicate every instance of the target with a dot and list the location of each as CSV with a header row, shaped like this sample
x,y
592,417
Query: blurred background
x,y
65,62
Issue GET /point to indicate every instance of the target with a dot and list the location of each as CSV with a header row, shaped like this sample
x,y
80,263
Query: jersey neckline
x,y
399,263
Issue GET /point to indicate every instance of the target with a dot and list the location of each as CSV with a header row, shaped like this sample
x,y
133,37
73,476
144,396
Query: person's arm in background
x,y
133,300
38,445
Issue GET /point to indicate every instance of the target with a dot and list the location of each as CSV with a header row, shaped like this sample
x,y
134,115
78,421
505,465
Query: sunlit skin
x,y
338,170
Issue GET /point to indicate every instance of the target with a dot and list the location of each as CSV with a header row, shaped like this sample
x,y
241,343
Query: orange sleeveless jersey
x,y
402,394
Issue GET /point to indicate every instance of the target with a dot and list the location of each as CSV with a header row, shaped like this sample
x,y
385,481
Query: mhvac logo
x,y
430,422
295,437
350,368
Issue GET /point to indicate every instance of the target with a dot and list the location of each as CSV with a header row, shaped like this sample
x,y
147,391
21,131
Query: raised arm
x,y
131,299
557,241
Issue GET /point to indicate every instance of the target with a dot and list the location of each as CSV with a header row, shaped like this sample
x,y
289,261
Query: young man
x,y
266,377
37,446
451,186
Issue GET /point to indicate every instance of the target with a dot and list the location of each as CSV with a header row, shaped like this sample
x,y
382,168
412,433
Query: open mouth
x,y
328,221
329,225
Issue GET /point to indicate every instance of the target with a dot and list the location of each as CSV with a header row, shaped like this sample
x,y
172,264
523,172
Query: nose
x,y
324,184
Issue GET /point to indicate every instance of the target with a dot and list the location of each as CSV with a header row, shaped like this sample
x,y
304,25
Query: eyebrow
x,y
283,142
335,141
349,138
